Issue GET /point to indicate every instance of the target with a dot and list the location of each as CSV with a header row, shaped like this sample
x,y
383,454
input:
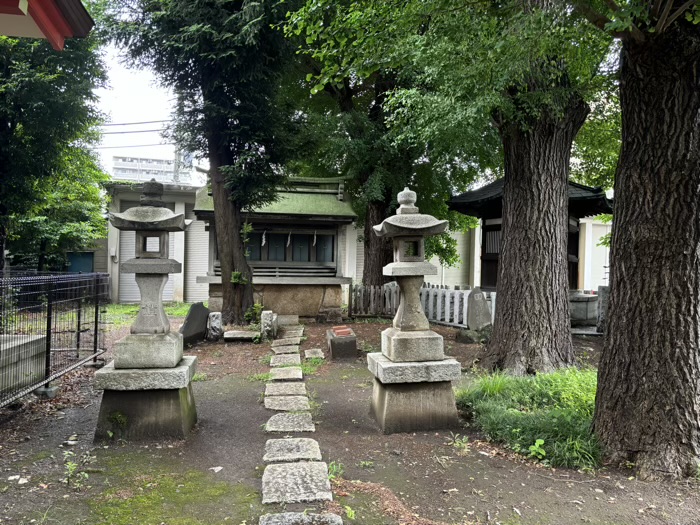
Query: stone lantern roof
x,y
408,220
151,215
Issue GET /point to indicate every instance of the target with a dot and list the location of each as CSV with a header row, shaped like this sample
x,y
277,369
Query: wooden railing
x,y
440,304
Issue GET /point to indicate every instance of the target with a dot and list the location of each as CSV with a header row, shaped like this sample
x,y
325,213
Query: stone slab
x,y
148,351
194,329
410,407
288,349
388,372
151,266
292,327
292,373
409,269
286,388
287,320
268,324
300,518
314,353
214,327
478,310
296,483
109,378
239,336
287,334
133,416
287,403
291,449
423,345
285,360
287,341
290,423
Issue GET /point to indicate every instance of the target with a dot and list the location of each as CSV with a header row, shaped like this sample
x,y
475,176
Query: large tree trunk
x,y
648,400
237,298
532,331
378,250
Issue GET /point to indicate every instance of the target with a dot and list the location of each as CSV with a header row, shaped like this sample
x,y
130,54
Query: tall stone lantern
x,y
147,388
412,377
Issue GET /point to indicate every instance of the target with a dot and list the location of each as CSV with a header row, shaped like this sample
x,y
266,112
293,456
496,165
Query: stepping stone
x,y
287,403
299,518
287,388
286,341
289,349
292,449
314,352
290,373
290,423
297,332
239,335
287,320
285,360
296,482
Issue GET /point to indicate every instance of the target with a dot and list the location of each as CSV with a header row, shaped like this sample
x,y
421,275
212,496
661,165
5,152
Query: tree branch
x,y
664,15
682,9
594,17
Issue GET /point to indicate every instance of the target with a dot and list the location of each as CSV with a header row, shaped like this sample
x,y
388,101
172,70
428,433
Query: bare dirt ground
x,y
402,479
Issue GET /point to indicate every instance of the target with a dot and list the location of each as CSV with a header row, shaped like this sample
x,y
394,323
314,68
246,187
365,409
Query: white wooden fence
x,y
440,304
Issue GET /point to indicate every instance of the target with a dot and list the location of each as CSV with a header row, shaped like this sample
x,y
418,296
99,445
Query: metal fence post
x,y
96,287
49,327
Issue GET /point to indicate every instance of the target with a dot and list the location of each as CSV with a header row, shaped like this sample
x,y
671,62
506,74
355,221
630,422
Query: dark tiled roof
x,y
485,202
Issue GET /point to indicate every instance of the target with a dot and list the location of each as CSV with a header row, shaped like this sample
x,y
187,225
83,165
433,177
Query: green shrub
x,y
547,417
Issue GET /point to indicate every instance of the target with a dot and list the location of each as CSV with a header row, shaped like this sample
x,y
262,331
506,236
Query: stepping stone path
x,y
285,360
295,472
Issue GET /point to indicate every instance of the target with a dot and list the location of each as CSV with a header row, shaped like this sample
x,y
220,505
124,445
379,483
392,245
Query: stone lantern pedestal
x,y
147,387
413,377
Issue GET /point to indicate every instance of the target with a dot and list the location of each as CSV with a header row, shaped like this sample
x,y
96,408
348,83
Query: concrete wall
x,y
593,260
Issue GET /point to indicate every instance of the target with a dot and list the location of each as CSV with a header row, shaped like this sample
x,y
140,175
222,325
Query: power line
x,y
135,123
135,146
135,131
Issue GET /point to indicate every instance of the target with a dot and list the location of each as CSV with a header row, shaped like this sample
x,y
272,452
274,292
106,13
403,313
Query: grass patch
x,y
547,417
260,377
310,366
124,314
265,360
199,376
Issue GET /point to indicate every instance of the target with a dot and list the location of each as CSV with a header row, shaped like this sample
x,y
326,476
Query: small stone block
x,y
292,449
343,347
387,371
239,336
289,349
287,403
286,341
48,392
423,345
296,483
285,360
287,388
148,351
194,329
300,518
109,378
290,423
314,353
292,373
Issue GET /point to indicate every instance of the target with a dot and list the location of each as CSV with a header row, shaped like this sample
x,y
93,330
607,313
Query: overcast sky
x,y
133,96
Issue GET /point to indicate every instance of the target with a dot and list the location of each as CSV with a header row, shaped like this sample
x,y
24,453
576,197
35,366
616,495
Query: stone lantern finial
x,y
407,201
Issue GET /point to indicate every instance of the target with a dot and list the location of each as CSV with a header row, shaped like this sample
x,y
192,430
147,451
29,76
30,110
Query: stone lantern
x,y
147,388
413,378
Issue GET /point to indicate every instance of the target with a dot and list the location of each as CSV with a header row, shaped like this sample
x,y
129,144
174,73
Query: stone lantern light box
x,y
412,386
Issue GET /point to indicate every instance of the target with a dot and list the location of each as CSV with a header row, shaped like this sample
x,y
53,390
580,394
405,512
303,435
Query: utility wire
x,y
136,146
135,123
135,131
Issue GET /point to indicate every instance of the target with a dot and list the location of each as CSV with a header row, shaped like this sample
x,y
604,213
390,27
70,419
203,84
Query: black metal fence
x,y
49,324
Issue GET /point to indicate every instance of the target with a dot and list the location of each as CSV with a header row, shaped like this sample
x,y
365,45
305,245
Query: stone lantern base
x,y
410,396
147,403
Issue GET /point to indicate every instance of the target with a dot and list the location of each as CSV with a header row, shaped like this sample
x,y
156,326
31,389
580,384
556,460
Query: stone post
x,y
413,378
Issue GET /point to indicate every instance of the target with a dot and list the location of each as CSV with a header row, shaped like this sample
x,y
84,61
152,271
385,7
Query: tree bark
x,y
648,399
237,298
532,331
378,250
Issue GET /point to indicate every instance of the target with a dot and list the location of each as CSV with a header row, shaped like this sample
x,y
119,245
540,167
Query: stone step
x,y
285,360
240,336
314,353
291,449
287,332
287,320
285,388
290,373
287,403
296,483
290,423
300,518
288,349
286,341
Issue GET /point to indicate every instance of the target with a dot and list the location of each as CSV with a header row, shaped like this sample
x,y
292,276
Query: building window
x,y
276,251
300,248
324,248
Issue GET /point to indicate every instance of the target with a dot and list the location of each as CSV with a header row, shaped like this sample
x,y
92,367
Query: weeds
x,y
199,376
335,470
260,377
460,443
310,366
546,417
